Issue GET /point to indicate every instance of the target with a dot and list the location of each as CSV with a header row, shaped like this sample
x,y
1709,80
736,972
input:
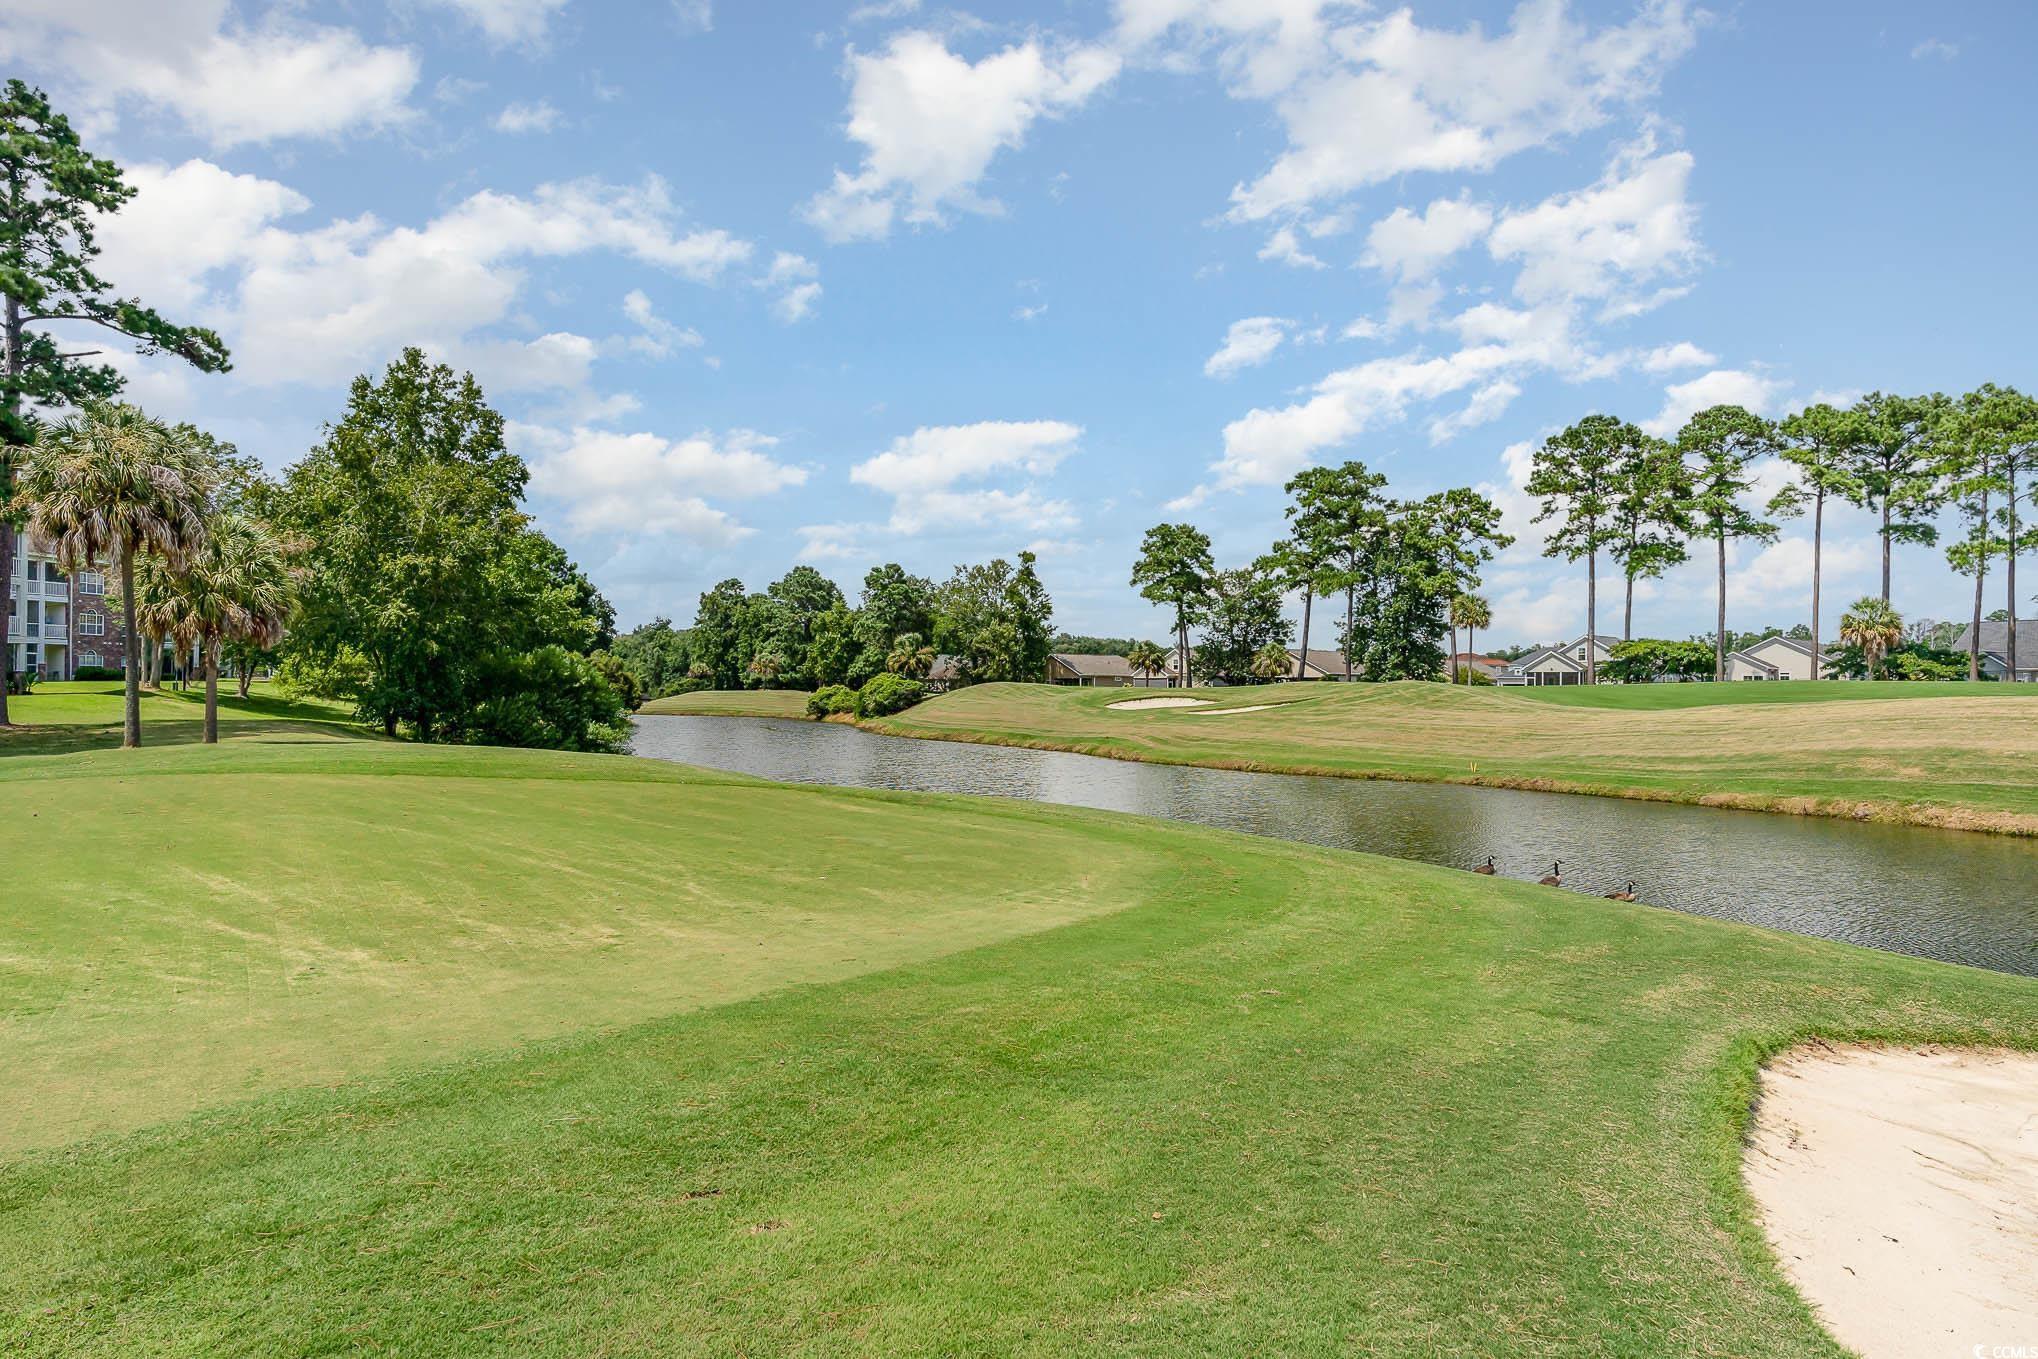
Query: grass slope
x,y
1964,758
913,1075
71,715
732,703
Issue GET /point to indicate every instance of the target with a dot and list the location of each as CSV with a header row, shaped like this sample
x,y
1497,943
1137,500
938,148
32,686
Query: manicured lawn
x,y
733,703
322,1045
86,714
1953,755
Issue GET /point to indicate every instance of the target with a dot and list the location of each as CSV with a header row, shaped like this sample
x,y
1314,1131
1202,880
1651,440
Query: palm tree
x,y
1873,626
1271,661
910,656
1147,658
237,587
111,482
1471,613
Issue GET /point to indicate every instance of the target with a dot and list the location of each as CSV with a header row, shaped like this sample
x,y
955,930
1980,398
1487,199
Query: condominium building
x,y
56,623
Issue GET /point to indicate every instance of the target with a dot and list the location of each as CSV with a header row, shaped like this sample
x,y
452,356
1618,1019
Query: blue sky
x,y
844,283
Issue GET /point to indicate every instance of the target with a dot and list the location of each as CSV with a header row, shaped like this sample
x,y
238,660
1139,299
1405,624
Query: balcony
x,y
55,632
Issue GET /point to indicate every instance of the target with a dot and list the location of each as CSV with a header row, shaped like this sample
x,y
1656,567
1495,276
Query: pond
x,y
1956,896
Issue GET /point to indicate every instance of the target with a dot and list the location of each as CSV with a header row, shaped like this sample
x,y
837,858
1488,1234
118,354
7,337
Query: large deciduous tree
x,y
1818,443
1574,478
1720,446
994,619
1174,569
52,193
1893,474
1243,619
111,482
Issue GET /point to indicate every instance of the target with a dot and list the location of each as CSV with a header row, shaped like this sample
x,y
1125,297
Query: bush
x,y
888,694
98,672
551,699
343,675
690,685
20,681
830,700
1472,675
621,678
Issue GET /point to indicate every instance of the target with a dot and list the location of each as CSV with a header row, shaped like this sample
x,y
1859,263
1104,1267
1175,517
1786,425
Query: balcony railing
x,y
55,632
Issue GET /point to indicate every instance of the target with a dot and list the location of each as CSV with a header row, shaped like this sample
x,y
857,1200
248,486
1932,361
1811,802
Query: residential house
x,y
1489,666
943,674
1563,664
1775,657
1995,648
56,623
1318,665
1103,672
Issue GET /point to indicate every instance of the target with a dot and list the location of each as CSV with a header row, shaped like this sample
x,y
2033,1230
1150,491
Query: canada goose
x,y
1555,877
1487,868
1628,895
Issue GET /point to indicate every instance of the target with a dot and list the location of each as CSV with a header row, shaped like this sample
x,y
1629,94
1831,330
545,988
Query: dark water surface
x,y
1957,896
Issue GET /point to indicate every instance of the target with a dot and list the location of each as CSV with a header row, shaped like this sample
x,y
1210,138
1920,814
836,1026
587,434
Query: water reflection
x,y
1951,895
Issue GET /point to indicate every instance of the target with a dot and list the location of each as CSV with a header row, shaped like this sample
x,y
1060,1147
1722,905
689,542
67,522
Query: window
x,y
91,583
91,658
91,624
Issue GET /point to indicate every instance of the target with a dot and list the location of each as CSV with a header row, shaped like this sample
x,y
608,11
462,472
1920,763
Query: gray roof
x,y
1995,637
1322,661
1801,647
1103,667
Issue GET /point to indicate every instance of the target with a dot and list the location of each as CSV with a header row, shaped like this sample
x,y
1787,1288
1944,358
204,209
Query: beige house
x,y
1775,657
1559,664
1318,665
1104,672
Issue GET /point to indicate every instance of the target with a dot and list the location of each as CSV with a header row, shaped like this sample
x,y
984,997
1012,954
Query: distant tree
x,y
237,583
764,669
1720,446
1892,467
53,195
1296,570
910,656
2013,418
1649,499
894,602
1471,613
1820,444
655,655
1646,659
1875,627
1082,644
1147,658
1271,662
832,647
1338,515
1404,599
1968,441
994,619
1468,524
715,641
1032,611
1175,569
1243,619
111,482
1574,478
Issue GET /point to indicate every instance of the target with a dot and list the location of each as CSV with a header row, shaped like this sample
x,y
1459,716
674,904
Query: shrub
x,y
692,684
832,699
621,678
1473,676
550,698
97,672
20,681
887,694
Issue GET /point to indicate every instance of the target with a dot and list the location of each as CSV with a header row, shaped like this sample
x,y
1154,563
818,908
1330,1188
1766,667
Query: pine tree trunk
x,y
131,680
14,364
1980,577
1885,549
211,694
2012,573
1818,531
1350,592
1592,618
1719,641
1302,664
1451,667
1627,618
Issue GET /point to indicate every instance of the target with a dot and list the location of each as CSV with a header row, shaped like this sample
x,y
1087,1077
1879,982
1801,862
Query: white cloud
x,y
229,82
659,337
1488,404
1669,358
508,21
931,122
1029,313
931,474
880,10
1720,387
1247,344
1285,247
694,16
797,277
1366,98
797,302
538,116
646,483
1413,247
1937,48
319,305
1631,228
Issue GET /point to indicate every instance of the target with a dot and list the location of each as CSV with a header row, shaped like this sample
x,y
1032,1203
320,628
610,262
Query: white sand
x,y
1226,712
1899,1188
1137,704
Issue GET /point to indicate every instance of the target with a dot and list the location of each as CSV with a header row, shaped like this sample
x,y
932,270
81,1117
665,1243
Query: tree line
x,y
1642,503
801,632
1404,571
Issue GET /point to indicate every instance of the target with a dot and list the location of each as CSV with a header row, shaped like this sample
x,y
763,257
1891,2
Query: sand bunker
x,y
1226,712
1137,704
1899,1188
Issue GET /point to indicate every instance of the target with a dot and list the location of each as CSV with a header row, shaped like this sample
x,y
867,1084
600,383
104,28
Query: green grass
x,y
733,703
321,1045
1961,756
72,715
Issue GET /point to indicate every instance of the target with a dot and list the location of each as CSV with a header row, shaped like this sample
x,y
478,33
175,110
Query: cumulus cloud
x,y
320,304
536,116
1720,387
936,475
657,337
1412,246
1668,358
229,82
1605,243
1285,246
796,278
1247,344
507,21
646,483
1935,49
931,121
